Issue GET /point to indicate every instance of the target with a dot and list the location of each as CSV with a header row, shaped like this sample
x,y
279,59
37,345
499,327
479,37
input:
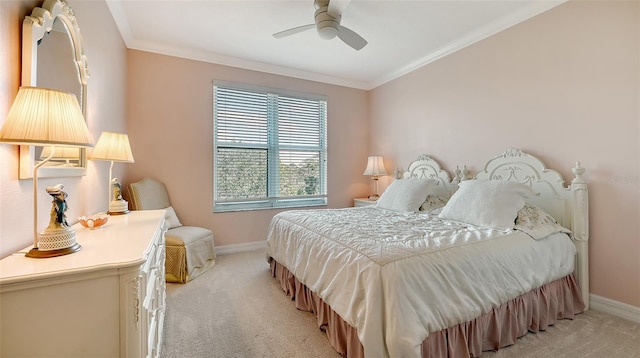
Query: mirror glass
x,y
56,69
53,57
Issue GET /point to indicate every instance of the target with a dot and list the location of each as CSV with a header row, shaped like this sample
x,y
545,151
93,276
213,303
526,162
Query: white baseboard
x,y
615,308
232,249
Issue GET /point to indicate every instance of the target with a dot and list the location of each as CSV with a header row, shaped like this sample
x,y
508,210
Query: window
x,y
270,148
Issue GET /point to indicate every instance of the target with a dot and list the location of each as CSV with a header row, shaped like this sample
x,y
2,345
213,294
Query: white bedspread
x,y
397,277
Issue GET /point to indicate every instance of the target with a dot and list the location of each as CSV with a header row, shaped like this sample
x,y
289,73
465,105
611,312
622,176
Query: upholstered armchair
x,y
189,249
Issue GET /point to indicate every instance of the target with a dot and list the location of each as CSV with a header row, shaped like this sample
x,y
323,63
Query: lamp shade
x,y
375,166
44,117
114,147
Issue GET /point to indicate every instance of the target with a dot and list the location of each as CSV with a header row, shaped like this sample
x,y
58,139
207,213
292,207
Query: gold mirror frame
x,y
34,28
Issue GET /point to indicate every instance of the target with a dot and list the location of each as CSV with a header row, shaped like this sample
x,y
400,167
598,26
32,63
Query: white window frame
x,y
273,147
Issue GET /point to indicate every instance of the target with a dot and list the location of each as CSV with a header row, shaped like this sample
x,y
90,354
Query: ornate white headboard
x,y
569,205
426,167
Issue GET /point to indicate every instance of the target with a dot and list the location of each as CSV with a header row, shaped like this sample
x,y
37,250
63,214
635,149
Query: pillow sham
x,y
171,218
406,195
490,203
536,223
433,202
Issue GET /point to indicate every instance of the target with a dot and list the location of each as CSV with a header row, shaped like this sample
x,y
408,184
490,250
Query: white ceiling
x,y
402,35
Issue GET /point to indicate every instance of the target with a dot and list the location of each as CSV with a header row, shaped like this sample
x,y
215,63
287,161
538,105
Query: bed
x,y
388,281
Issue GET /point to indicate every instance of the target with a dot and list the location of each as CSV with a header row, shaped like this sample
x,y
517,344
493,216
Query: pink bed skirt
x,y
533,311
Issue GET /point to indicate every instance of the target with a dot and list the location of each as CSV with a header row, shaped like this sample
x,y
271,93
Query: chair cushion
x,y
149,194
185,235
171,218
189,252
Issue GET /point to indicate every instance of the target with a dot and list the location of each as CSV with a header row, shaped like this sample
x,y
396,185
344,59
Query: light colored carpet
x,y
237,309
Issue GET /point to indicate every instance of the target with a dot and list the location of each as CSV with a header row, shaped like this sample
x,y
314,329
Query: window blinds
x,y
269,149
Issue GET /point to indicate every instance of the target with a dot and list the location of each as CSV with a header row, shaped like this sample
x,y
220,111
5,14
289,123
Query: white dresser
x,y
107,300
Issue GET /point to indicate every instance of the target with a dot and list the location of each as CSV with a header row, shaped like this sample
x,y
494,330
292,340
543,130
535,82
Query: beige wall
x,y
564,86
106,91
171,133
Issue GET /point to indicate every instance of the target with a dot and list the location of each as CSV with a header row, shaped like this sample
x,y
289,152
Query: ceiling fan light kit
x,y
326,24
328,27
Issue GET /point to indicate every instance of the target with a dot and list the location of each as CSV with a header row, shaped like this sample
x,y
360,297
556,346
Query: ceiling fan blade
x,y
351,38
294,30
337,7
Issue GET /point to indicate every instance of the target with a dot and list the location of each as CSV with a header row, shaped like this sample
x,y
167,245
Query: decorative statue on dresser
x,y
58,238
117,205
117,189
58,208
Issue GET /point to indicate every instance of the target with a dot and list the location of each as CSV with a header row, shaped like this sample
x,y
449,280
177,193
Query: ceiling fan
x,y
327,22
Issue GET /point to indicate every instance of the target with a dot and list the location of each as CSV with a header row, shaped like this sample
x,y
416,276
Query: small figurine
x,y
58,208
117,189
117,205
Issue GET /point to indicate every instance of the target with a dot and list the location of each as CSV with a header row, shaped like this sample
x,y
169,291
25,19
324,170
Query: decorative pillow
x,y
171,219
433,202
406,195
536,223
491,203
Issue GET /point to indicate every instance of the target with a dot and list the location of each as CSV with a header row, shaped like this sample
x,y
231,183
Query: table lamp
x,y
375,168
50,118
114,147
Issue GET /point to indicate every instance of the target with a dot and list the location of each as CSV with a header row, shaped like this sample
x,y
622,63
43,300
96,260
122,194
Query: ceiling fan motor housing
x,y
326,24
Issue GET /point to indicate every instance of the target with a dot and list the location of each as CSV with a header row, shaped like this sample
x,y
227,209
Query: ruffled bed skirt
x,y
533,311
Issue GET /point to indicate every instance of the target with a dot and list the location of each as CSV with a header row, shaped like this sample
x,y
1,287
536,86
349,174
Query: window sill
x,y
236,207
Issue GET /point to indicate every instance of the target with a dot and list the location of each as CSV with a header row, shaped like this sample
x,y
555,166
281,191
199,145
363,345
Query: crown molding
x,y
534,9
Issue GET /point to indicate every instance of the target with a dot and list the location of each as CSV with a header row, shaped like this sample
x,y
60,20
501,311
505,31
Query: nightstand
x,y
363,202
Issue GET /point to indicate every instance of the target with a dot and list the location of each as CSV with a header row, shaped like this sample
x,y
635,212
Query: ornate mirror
x,y
53,57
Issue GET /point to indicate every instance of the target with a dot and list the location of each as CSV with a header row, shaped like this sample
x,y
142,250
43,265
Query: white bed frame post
x,y
581,230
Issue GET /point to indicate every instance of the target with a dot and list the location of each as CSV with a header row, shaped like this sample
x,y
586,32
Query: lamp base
x,y
38,254
374,197
54,242
118,207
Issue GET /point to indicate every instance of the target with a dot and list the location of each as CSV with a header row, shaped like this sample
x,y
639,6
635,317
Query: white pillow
x,y
171,219
491,203
406,195
536,223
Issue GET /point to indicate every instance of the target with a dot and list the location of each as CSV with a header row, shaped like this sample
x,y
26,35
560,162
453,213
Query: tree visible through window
x,y
269,148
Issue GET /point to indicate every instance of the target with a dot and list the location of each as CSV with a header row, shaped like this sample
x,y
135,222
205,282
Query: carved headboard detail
x,y
426,167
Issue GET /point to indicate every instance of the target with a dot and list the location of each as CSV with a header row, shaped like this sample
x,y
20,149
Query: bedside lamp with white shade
x,y
114,147
47,118
375,168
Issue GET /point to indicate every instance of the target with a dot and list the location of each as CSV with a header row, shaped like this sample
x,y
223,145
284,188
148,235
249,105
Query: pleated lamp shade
x,y
45,117
114,147
375,166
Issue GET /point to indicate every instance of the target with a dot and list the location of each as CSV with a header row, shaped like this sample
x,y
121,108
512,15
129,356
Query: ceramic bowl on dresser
x,y
94,221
